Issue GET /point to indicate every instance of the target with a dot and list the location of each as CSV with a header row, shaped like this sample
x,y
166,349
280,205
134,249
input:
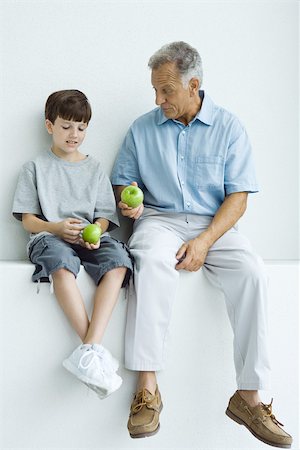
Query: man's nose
x,y
159,99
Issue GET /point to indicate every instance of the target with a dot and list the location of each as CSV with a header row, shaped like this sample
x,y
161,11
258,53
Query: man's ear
x,y
194,86
49,126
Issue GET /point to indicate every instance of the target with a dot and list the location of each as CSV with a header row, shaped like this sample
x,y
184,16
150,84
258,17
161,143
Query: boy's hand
x,y
88,245
69,230
127,211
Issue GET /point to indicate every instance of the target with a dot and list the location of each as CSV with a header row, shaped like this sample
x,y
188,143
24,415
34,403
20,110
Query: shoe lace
x,y
268,409
89,357
142,400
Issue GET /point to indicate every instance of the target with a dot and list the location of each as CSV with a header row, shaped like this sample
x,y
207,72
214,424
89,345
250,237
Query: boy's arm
x,y
103,223
68,229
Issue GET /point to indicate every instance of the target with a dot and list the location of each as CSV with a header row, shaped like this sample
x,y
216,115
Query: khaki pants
x,y
230,265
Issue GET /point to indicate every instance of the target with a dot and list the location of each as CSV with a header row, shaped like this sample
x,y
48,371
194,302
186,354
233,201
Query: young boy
x,y
57,195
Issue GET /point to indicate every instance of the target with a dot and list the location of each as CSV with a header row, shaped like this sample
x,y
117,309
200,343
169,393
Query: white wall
x,y
249,51
42,407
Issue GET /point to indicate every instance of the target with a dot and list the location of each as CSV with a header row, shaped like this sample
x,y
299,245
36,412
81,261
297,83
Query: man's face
x,y
67,136
171,96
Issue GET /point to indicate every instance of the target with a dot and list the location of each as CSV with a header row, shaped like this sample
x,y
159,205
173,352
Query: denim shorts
x,y
49,254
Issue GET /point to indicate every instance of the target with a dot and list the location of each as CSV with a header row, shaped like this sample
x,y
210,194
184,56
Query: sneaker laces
x,y
268,410
106,356
142,400
91,356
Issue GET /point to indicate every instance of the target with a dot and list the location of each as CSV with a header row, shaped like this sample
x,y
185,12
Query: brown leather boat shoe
x,y
259,420
144,414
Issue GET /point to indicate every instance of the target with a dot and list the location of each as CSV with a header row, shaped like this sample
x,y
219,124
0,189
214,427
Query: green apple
x,y
133,196
91,233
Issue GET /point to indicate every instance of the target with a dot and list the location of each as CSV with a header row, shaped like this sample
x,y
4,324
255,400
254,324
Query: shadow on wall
x,y
124,232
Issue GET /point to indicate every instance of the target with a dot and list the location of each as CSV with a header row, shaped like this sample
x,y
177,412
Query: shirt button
x,y
183,133
188,203
181,157
182,183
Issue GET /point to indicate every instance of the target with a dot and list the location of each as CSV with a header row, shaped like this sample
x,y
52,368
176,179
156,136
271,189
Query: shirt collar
x,y
205,114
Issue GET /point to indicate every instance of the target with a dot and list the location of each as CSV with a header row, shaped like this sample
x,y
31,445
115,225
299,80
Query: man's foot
x,y
259,420
251,397
144,414
95,367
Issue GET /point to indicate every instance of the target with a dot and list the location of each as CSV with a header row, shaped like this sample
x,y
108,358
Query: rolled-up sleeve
x,y
126,169
240,173
105,204
26,196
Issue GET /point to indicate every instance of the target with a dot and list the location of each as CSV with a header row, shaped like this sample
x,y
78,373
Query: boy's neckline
x,y
83,160
80,157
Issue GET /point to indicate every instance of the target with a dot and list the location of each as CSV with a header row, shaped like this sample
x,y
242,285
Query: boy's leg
x,y
70,300
55,257
90,362
105,298
108,267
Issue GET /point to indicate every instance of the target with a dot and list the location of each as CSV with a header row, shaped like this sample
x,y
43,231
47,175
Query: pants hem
x,y
144,367
254,386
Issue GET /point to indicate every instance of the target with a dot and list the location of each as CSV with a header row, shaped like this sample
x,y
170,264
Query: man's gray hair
x,y
186,58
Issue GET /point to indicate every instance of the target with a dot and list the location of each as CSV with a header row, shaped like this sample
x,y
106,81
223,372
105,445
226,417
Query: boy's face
x,y
67,136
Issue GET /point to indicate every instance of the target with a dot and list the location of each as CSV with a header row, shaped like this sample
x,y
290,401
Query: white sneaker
x,y
112,362
94,368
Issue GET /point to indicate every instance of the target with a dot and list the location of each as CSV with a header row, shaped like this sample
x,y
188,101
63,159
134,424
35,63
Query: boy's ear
x,y
49,126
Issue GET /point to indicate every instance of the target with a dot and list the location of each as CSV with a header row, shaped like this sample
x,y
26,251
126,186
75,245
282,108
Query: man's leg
x,y
154,246
154,249
232,266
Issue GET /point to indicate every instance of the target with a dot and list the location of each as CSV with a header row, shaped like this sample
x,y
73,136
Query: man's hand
x,y
192,254
127,211
69,230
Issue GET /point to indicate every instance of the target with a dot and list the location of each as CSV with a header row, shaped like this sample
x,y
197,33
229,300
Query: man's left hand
x,y
192,254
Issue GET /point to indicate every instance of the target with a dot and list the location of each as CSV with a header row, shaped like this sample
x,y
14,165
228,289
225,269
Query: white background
x,y
249,52
250,57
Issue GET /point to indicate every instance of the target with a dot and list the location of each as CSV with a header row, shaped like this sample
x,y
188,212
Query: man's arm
x,y
195,251
132,213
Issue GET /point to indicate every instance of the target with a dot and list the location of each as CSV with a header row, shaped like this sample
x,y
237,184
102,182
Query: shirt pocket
x,y
208,173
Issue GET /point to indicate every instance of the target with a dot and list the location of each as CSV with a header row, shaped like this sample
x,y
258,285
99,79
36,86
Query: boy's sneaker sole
x,y
74,370
102,394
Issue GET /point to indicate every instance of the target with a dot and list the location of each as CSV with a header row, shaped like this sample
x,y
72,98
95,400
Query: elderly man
x,y
193,161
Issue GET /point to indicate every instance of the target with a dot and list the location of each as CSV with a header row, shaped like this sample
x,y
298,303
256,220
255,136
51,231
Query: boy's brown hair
x,y
69,105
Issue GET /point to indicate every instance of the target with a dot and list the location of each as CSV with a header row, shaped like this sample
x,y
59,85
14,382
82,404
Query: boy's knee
x,y
62,273
117,273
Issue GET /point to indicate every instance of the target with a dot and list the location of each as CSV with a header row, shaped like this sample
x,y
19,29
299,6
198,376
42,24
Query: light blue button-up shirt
x,y
187,169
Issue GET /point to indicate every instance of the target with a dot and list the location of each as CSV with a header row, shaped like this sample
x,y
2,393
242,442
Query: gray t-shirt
x,y
54,189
